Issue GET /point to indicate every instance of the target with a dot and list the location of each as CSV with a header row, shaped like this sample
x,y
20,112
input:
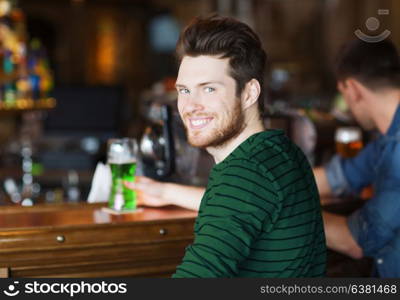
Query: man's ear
x,y
250,93
341,86
353,89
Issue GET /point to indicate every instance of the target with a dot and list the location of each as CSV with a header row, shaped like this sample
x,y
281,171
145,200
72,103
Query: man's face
x,y
357,106
207,101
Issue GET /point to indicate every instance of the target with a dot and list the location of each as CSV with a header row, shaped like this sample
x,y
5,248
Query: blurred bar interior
x,y
75,73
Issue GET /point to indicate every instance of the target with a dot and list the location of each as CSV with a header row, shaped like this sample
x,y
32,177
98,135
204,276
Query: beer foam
x,y
121,152
348,134
122,160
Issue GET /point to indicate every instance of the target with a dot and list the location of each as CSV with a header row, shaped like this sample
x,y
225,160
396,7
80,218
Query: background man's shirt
x,y
376,226
260,215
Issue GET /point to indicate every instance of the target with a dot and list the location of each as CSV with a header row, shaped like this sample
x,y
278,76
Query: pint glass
x,y
122,158
348,141
348,144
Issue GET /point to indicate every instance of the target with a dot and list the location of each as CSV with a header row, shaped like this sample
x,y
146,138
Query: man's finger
x,y
143,179
135,185
148,200
130,185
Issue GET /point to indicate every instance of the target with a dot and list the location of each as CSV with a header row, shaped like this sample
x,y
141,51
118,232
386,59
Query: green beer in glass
x,y
122,155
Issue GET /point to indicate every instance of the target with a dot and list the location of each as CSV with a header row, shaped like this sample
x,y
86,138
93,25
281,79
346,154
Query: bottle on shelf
x,y
25,76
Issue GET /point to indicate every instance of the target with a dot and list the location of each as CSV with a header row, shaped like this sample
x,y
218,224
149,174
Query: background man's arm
x,y
337,233
347,176
321,179
339,237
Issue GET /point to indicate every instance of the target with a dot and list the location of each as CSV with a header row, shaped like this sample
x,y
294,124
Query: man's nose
x,y
194,103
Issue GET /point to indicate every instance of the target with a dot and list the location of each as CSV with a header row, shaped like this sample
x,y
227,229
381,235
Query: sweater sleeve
x,y
238,206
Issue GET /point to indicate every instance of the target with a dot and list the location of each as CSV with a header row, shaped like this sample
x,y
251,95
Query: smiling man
x,y
215,117
260,214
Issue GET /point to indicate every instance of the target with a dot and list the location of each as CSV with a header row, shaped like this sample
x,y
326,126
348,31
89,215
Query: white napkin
x,y
101,184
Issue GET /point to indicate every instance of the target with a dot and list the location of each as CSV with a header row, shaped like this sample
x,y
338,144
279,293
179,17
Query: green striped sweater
x,y
260,215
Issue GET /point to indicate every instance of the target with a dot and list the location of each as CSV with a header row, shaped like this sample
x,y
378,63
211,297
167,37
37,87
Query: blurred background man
x,y
368,76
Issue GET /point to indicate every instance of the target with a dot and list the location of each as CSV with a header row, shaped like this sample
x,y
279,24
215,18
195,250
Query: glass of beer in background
x,y
348,141
349,144
122,158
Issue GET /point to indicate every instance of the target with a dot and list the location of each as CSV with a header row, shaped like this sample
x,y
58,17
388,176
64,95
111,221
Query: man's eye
x,y
183,91
209,89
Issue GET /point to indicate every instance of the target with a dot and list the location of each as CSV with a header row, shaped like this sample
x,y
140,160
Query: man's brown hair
x,y
376,65
227,38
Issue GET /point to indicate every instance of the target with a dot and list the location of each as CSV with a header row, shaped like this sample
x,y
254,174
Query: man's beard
x,y
218,137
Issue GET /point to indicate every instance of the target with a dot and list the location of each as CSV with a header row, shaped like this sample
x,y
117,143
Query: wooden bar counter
x,y
82,240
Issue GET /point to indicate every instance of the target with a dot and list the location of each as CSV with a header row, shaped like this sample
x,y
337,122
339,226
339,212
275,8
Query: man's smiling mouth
x,y
199,123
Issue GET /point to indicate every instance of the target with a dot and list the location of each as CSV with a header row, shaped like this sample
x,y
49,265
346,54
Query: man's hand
x,y
339,237
154,193
149,191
